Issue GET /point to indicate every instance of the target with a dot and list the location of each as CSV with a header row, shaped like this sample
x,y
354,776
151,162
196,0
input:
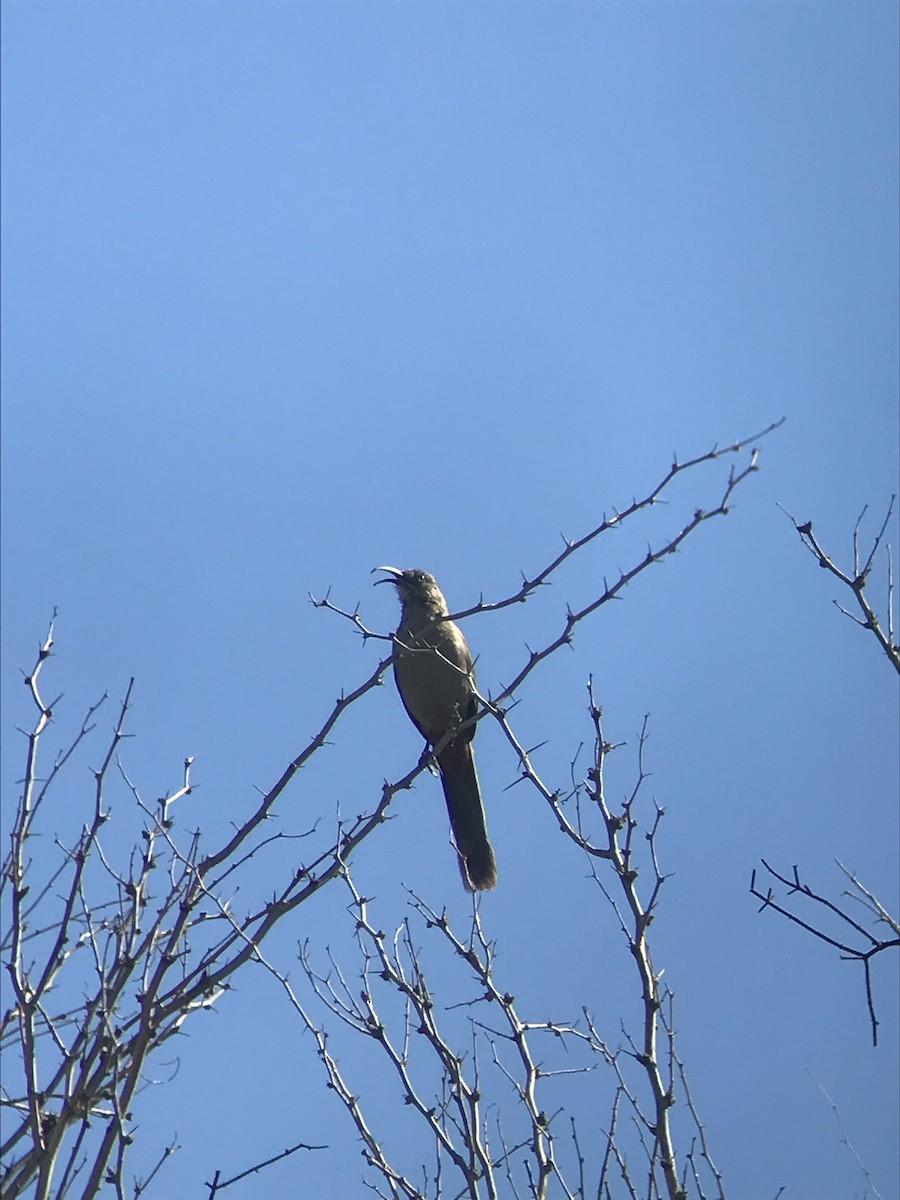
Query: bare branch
x,y
865,954
857,580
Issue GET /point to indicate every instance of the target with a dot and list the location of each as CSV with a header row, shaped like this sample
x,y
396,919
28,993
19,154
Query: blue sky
x,y
291,290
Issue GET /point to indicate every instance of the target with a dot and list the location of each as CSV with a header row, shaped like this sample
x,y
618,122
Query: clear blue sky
x,y
294,289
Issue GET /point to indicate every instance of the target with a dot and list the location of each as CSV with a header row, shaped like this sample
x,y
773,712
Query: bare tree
x,y
492,1091
121,931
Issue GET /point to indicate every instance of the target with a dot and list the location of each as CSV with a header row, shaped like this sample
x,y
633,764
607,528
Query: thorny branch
x,y
573,546
524,1054
857,578
218,1185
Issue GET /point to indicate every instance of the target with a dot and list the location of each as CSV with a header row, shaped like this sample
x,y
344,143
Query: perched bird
x,y
435,677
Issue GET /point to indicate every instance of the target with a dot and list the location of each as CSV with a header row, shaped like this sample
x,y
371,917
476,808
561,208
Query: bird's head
x,y
416,589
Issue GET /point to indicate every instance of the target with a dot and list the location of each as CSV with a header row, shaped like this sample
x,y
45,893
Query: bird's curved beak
x,y
394,574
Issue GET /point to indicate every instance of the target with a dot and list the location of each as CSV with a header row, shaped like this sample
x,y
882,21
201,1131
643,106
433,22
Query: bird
x,y
434,673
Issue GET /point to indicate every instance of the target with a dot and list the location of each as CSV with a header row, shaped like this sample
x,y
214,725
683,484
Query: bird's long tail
x,y
463,795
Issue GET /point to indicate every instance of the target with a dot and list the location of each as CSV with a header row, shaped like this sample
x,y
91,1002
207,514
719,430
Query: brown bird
x,y
435,677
